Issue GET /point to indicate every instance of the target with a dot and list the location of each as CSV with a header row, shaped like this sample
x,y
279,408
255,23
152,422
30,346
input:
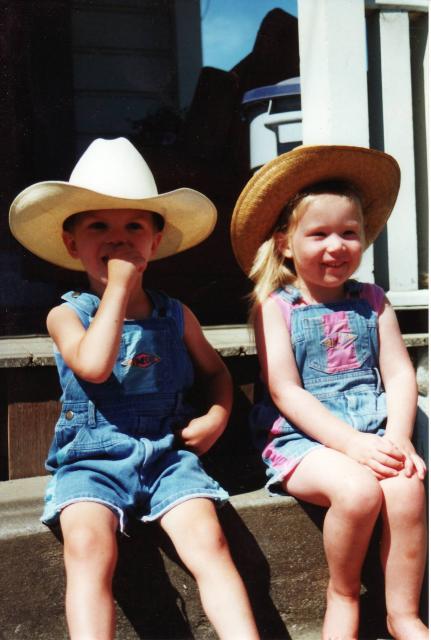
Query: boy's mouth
x,y
105,259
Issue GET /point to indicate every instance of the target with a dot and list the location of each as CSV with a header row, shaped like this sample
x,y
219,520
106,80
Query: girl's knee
x,y
360,497
404,497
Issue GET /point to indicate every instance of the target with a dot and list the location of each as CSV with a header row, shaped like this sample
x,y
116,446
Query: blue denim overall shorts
x,y
336,350
114,442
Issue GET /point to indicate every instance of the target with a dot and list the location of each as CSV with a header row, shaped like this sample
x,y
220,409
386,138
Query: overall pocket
x,y
75,440
144,365
337,342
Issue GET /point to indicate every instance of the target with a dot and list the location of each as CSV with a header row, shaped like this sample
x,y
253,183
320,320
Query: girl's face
x,y
98,235
326,244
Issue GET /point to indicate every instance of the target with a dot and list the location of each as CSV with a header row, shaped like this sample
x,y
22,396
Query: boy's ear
x,y
70,244
156,241
282,243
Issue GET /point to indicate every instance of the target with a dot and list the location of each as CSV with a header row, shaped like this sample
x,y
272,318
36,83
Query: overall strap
x,y
83,303
289,294
166,307
353,288
286,299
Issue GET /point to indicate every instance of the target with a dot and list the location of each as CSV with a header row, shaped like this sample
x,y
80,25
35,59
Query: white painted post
x,y
333,60
398,140
334,95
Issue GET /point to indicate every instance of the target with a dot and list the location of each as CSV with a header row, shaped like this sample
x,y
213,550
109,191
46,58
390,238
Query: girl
x,y
336,421
127,442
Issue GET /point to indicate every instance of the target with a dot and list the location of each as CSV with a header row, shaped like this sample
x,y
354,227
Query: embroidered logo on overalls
x,y
142,360
338,340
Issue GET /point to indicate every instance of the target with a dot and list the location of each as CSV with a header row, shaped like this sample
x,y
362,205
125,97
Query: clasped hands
x,y
386,456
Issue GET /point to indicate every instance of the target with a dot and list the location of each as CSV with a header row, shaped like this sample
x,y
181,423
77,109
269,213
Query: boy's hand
x,y
125,264
200,434
379,454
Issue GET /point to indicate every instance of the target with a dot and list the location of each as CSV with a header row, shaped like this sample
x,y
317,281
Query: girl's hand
x,y
413,463
380,455
200,434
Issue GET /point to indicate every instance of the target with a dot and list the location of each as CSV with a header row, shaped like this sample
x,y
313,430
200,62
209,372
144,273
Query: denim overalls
x,y
336,350
114,442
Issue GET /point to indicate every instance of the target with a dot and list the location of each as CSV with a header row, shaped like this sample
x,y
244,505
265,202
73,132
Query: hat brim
x,y
37,214
376,175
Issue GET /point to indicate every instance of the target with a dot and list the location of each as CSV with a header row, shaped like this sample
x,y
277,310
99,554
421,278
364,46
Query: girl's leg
x,y
353,496
90,555
403,552
196,533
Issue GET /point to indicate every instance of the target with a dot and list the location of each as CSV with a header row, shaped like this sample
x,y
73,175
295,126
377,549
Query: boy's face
x,y
98,236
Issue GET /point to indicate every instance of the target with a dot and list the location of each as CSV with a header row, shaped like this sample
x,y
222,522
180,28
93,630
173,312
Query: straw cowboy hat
x,y
376,176
111,174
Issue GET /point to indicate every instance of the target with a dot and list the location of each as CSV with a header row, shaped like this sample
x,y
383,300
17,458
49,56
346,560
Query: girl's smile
x,y
325,245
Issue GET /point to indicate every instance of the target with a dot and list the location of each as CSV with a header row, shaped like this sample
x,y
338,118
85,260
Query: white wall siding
x,y
130,59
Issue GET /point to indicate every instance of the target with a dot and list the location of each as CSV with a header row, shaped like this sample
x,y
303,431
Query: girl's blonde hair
x,y
270,269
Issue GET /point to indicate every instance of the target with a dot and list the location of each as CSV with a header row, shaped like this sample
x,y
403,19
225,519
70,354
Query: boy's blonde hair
x,y
270,269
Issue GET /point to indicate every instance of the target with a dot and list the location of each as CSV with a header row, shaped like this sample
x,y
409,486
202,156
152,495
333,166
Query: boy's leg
x,y
90,555
196,533
403,553
353,496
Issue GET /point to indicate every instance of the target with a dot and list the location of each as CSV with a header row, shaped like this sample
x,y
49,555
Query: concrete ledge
x,y
228,340
37,350
276,544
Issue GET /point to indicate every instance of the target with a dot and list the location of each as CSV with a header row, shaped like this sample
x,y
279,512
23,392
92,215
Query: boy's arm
x,y
399,380
201,433
90,353
280,374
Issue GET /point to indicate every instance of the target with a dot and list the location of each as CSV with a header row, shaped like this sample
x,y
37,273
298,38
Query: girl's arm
x,y
399,380
300,407
201,433
90,353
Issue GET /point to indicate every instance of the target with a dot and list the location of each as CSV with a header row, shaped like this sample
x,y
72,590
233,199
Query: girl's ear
x,y
282,242
70,244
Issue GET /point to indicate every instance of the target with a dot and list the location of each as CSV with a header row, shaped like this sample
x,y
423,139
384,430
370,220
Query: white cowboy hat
x,y
111,174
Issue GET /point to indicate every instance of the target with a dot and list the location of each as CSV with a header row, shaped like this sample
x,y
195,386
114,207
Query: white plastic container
x,y
275,120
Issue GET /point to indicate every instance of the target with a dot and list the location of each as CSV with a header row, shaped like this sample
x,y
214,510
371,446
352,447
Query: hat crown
x,y
115,168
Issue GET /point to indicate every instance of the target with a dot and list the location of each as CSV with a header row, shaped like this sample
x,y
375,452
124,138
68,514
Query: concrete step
x,y
275,542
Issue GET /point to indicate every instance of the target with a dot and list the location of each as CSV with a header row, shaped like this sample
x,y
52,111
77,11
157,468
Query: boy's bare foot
x,y
342,616
407,627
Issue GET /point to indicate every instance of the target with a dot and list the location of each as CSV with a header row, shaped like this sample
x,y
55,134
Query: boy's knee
x,y
86,542
209,537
